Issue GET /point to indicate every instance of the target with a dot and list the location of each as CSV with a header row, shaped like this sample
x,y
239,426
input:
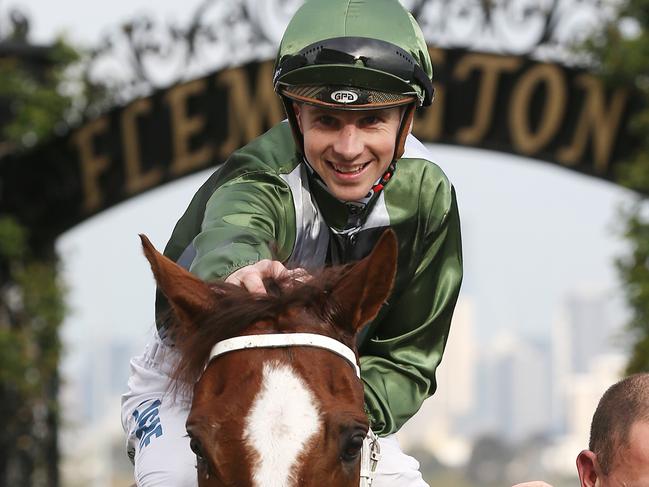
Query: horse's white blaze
x,y
283,417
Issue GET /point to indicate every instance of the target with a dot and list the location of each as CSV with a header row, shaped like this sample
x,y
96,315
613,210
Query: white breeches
x,y
157,443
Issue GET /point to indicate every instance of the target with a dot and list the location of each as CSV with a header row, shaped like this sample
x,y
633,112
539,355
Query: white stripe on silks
x,y
283,418
414,149
311,235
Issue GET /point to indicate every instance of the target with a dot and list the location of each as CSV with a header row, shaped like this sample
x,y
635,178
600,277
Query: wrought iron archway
x,y
524,92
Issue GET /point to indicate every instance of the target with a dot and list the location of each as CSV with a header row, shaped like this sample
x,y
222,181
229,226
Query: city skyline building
x,y
516,390
521,385
588,326
592,330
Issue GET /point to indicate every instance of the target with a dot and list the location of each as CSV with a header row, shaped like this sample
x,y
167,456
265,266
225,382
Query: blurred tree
x,y
622,51
429,466
31,310
43,89
488,463
39,94
634,269
31,92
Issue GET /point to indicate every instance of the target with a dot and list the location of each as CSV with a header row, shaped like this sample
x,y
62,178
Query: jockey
x,y
319,190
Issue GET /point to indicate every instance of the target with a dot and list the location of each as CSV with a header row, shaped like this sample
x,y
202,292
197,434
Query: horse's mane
x,y
235,309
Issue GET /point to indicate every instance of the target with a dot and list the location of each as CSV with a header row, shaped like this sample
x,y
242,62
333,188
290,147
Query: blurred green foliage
x,y
36,99
35,96
31,311
43,97
621,50
634,269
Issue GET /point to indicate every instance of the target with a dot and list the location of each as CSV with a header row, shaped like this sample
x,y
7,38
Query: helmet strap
x,y
404,130
399,148
292,121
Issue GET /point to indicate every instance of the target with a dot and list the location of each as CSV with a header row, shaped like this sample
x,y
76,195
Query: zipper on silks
x,y
350,243
352,228
345,243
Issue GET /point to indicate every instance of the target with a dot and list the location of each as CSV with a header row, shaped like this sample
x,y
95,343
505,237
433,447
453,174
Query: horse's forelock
x,y
235,310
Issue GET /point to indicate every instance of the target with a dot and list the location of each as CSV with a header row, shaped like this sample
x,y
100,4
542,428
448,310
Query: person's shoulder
x,y
414,149
422,184
274,151
418,161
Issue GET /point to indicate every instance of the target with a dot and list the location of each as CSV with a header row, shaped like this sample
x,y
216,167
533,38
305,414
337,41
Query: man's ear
x,y
588,468
297,109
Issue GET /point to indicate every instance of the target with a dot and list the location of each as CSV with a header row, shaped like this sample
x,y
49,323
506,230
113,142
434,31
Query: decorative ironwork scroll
x,y
538,28
142,54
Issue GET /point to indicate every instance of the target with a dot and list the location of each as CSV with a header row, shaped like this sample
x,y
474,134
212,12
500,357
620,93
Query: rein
x,y
370,454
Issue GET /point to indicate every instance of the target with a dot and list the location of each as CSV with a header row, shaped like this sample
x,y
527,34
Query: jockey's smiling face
x,y
349,150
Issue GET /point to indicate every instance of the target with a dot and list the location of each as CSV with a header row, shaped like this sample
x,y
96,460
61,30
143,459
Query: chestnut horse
x,y
276,417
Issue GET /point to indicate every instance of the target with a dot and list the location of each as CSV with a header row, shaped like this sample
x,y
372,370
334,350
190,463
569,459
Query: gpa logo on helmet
x,y
344,96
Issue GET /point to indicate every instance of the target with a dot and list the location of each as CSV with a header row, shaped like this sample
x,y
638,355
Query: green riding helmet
x,y
373,46
354,55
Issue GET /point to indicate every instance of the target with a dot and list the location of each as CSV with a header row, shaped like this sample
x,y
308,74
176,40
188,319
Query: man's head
x,y
349,150
618,452
349,57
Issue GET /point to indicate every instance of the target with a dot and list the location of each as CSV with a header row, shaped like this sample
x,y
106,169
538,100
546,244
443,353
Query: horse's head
x,y
272,417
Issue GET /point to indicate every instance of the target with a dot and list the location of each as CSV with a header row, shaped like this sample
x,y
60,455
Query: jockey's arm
x,y
401,355
243,238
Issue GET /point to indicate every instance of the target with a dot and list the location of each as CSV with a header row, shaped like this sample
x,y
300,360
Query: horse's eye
x,y
202,465
352,447
195,445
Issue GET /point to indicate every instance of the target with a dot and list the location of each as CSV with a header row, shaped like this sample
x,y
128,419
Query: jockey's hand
x,y
535,483
251,277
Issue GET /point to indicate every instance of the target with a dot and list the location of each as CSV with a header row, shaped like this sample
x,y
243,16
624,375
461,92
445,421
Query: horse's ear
x,y
364,288
187,294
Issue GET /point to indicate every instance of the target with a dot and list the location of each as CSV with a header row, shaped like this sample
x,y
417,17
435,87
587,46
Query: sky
x,y
533,233
85,21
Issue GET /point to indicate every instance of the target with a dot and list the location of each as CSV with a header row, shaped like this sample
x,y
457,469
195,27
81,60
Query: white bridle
x,y
279,340
370,453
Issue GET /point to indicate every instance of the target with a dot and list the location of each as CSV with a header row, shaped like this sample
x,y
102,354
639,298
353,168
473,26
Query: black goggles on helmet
x,y
372,53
